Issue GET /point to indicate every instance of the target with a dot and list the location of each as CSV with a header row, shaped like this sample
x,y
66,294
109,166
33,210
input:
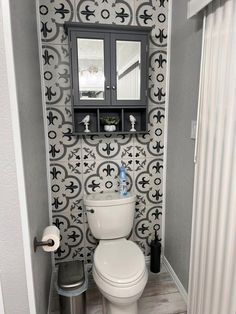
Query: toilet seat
x,y
120,291
119,262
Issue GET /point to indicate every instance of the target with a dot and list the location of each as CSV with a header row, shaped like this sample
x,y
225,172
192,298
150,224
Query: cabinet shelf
x,y
109,106
122,114
109,133
109,75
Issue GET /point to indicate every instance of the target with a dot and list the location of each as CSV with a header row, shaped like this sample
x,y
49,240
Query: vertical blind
x,y
194,6
212,286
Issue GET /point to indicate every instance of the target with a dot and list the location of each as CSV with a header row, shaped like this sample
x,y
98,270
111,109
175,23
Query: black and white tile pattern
x,y
153,13
90,164
56,75
105,11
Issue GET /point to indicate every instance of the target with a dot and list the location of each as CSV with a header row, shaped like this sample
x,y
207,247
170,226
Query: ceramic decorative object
x,y
132,120
110,123
109,128
85,121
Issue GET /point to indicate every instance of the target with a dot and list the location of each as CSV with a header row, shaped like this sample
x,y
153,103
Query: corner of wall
x,y
166,120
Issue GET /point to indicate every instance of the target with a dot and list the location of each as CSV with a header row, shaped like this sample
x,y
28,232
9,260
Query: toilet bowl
x,y
120,273
119,268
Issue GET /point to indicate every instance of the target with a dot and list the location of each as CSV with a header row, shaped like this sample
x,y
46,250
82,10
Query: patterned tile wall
x,y
90,164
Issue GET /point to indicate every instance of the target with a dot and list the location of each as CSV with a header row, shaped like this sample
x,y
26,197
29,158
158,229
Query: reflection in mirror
x,y
128,54
91,68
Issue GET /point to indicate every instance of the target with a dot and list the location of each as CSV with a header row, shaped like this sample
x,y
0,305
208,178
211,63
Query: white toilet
x,y
119,268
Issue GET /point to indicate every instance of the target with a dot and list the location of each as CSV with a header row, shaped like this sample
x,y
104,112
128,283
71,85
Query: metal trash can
x,y
72,283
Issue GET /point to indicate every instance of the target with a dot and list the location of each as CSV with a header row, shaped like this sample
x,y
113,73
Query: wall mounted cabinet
x,y
109,76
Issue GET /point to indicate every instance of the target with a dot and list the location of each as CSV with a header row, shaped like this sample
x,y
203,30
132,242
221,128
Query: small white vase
x,y
109,128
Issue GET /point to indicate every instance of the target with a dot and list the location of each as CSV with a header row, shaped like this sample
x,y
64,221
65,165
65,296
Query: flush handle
x,y
90,211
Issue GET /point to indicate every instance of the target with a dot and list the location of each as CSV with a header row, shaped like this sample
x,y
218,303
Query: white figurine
x,y
132,120
85,121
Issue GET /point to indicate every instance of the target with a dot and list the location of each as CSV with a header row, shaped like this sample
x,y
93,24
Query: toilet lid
x,y
119,261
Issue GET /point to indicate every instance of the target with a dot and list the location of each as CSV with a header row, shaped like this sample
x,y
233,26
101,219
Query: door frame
x,y
7,32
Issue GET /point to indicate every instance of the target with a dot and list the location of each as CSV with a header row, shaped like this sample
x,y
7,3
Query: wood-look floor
x,y
160,296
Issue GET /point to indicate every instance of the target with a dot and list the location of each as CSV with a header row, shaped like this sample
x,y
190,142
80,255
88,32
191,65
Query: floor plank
x,y
159,284
93,296
171,303
94,309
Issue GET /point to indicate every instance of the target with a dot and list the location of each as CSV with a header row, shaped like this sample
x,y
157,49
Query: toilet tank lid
x,y
107,199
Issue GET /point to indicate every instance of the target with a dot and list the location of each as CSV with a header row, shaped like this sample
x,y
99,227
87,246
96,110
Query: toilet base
x,y
112,308
120,300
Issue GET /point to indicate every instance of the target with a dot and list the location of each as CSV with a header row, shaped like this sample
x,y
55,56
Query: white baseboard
x,y
52,290
1,300
147,261
178,283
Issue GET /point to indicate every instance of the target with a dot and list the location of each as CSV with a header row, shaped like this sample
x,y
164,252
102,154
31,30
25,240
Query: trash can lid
x,y
71,275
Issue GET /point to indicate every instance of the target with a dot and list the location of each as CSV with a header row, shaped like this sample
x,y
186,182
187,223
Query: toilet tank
x,y
110,215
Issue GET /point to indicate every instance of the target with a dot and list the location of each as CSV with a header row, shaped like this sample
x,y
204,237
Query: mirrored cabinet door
x,y
91,68
128,75
128,70
91,71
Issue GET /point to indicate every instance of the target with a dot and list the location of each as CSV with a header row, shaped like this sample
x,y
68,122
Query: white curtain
x,y
212,286
194,6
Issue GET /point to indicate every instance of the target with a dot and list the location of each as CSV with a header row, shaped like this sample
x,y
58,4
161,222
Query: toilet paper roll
x,y
51,233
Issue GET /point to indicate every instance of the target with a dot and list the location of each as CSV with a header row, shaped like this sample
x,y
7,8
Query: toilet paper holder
x,y
42,243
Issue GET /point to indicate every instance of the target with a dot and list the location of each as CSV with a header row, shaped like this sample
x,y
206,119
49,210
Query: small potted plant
x,y
110,123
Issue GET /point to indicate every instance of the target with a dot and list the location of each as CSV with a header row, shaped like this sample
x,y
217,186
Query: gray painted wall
x,y
12,265
26,59
26,55
183,94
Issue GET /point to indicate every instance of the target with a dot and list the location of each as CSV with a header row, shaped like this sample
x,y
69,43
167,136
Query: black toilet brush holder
x,y
155,263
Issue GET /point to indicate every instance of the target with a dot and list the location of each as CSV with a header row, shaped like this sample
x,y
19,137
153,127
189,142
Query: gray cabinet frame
x,y
109,33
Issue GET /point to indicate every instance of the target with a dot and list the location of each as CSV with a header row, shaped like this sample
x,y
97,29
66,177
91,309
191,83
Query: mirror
x,y
128,69
91,68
